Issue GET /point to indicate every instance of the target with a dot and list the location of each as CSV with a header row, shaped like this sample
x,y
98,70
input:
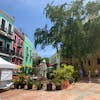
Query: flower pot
x,y
22,85
58,87
29,86
65,84
39,87
49,87
16,86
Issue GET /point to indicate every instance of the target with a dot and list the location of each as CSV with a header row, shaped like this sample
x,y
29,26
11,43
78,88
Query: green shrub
x,y
65,73
21,77
30,81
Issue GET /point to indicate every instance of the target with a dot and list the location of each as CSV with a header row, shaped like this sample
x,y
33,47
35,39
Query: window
x,y
89,63
3,25
98,60
14,49
19,41
1,43
26,51
30,55
15,39
9,28
8,46
26,58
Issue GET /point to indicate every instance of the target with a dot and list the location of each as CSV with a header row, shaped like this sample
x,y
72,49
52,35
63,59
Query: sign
x,y
6,75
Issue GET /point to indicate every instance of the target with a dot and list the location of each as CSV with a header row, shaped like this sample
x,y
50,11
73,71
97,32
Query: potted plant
x,y
49,86
57,83
16,83
65,74
38,85
50,75
22,80
30,82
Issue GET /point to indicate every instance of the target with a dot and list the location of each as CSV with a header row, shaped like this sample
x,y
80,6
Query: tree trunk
x,y
58,58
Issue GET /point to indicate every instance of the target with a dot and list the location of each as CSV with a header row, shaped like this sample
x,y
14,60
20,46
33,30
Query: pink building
x,y
18,46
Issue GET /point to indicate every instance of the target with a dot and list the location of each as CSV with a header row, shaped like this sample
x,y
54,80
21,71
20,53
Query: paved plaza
x,y
77,91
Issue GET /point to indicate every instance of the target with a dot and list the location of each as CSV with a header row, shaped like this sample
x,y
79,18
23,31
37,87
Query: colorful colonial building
x,y
18,46
28,51
6,35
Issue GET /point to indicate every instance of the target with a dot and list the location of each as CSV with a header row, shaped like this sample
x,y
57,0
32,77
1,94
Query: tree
x,y
72,29
36,61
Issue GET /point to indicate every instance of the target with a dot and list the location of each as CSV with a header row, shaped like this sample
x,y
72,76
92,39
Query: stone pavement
x,y
77,91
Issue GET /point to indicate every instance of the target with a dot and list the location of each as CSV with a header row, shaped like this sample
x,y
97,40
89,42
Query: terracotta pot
x,y
65,84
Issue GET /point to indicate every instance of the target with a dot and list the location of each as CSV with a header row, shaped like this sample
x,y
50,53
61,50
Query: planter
x,y
58,87
49,87
16,86
71,81
50,77
22,85
39,87
65,84
29,86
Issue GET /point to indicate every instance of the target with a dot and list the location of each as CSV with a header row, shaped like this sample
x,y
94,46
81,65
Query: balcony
x,y
6,51
20,45
18,55
4,33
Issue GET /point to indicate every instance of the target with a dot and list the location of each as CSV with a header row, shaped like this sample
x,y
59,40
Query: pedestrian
x,y
89,76
81,73
96,73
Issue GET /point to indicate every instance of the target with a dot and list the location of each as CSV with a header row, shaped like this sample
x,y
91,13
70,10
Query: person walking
x,y
96,73
89,76
81,73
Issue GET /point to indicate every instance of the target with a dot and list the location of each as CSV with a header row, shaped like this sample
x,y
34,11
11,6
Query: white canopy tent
x,y
5,64
6,73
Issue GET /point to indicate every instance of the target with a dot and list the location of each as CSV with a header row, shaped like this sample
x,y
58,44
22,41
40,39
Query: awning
x,y
6,65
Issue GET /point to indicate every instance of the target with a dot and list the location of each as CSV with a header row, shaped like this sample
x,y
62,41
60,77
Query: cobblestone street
x,y
78,91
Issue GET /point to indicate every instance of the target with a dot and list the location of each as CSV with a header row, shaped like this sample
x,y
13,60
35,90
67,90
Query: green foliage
x,y
92,8
30,81
75,27
57,80
16,81
21,77
75,75
38,83
36,61
50,75
64,73
36,71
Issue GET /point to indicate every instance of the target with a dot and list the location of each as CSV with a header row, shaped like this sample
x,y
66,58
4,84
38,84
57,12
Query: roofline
x,y
13,19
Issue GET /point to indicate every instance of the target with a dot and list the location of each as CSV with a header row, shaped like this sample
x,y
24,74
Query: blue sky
x,y
29,16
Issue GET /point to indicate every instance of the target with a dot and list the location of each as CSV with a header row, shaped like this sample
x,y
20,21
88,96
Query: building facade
x,y
18,47
6,35
28,51
55,59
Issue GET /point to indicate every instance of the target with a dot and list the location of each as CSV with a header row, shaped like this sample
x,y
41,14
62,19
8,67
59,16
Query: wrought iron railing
x,y
6,50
